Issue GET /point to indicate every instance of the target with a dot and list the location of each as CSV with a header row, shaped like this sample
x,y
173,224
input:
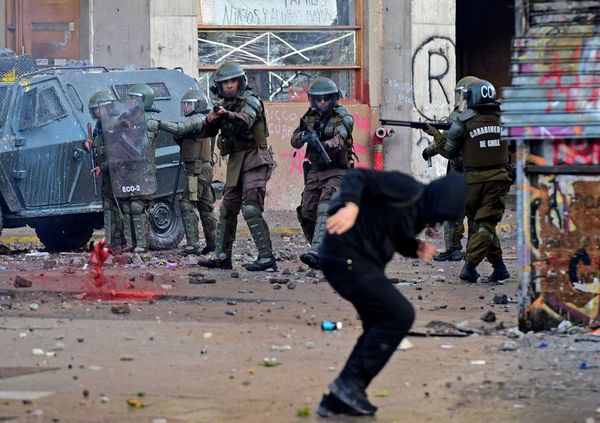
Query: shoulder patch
x,y
466,115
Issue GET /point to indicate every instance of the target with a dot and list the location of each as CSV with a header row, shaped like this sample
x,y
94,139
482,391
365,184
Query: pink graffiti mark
x,y
556,74
361,122
296,157
569,152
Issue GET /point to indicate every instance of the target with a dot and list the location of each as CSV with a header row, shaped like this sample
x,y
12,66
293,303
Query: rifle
x,y
90,135
317,142
417,125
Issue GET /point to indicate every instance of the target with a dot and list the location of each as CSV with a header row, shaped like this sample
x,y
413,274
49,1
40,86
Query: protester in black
x,y
375,215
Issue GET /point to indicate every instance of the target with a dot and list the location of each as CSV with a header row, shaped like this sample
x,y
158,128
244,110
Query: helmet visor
x,y
188,107
323,103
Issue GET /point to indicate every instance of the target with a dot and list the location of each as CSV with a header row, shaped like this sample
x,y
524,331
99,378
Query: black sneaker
x,y
188,250
259,266
353,397
311,260
216,263
331,406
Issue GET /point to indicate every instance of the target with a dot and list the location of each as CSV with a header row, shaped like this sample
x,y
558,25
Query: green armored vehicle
x,y
45,172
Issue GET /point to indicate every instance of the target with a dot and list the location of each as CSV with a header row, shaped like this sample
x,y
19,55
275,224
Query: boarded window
x,y
282,44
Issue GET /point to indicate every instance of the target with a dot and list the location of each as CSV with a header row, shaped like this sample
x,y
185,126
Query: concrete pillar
x,y
2,23
174,35
419,74
121,33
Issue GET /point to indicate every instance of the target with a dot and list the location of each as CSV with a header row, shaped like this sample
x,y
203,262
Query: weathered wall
x,y
2,23
173,35
121,33
419,74
285,186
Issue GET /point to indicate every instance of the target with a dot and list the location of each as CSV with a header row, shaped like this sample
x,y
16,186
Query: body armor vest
x,y
235,136
483,147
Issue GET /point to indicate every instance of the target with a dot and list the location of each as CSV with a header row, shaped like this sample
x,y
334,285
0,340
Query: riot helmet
x,y
461,88
98,98
144,92
480,93
194,102
229,71
323,94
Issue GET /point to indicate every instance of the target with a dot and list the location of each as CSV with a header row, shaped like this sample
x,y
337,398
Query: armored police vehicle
x,y
45,172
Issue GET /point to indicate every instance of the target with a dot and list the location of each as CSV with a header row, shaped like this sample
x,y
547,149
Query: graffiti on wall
x,y
433,79
565,246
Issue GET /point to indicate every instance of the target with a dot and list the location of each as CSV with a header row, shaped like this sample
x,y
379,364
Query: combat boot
x,y
221,262
207,249
262,265
311,257
189,250
449,255
500,272
262,239
469,272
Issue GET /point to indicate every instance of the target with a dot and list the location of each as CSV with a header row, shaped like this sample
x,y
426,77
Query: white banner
x,y
268,12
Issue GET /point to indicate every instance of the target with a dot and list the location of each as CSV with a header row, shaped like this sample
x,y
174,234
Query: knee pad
x,y
250,211
137,207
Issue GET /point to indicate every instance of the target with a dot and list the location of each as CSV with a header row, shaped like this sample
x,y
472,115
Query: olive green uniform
x,y
196,155
113,219
135,217
485,159
250,163
322,180
453,231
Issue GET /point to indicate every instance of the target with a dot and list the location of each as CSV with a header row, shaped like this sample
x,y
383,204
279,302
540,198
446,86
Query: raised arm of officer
x,y
193,124
342,134
251,111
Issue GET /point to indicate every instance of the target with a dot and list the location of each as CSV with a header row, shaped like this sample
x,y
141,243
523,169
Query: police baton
x,y
90,135
173,197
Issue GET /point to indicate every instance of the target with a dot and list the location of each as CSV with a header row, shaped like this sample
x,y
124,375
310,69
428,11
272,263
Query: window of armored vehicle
x,y
161,92
4,102
40,106
74,97
284,45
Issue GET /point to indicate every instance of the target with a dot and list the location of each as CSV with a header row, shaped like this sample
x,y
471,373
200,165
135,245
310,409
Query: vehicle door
x,y
51,167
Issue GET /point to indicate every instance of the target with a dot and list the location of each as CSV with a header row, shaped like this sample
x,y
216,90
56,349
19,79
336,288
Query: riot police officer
x,y
476,135
196,155
326,129
113,219
453,231
135,217
240,118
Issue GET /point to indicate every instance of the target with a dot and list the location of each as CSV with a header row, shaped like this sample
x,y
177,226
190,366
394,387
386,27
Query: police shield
x,y
127,148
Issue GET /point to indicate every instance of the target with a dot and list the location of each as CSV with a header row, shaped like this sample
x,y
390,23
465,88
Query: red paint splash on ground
x,y
102,287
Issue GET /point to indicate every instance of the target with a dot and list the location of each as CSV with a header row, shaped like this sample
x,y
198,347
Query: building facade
x,y
394,59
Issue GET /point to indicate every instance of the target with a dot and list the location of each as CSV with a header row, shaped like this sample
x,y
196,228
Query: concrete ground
x,y
249,348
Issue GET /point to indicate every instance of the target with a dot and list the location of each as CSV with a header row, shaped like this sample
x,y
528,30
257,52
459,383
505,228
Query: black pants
x,y
386,315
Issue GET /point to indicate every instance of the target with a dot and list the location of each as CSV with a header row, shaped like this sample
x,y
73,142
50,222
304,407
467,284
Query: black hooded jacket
x,y
393,209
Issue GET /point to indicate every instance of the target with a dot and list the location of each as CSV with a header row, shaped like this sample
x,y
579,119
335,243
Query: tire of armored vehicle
x,y
45,178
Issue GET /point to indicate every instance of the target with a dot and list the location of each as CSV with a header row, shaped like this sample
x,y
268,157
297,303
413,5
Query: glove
x,y
430,130
427,153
